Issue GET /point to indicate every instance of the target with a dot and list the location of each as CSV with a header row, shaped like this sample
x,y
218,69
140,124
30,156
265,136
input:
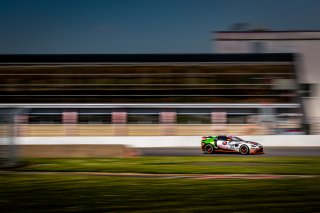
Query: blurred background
x,y
103,105
141,94
173,68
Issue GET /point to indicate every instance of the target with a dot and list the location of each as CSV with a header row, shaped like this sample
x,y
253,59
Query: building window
x,y
45,119
194,118
94,119
143,118
237,119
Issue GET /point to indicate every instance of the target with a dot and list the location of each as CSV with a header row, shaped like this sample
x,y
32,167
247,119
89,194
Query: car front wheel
x,y
244,150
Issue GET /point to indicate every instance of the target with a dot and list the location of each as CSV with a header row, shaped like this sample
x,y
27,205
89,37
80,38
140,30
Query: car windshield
x,y
237,138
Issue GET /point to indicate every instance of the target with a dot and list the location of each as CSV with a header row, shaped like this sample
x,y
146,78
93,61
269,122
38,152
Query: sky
x,y
139,26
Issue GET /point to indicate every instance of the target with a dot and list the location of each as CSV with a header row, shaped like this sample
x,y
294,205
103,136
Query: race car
x,y
210,144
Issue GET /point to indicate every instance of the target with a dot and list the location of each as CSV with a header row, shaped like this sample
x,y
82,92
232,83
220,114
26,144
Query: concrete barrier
x,y
167,141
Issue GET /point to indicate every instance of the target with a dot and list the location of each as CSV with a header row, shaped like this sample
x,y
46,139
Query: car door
x,y
222,142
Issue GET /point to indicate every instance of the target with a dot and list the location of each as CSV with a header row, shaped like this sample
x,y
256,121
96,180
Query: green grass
x,y
81,193
187,165
74,192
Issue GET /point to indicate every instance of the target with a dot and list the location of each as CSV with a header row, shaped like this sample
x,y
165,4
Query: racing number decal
x,y
222,144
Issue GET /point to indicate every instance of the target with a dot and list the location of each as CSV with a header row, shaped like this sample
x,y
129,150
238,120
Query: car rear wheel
x,y
209,149
244,150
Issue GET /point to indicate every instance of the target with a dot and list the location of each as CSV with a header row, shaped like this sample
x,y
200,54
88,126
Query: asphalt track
x,y
149,175
195,151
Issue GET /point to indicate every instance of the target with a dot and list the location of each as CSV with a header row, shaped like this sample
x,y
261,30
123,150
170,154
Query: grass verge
x,y
74,193
181,165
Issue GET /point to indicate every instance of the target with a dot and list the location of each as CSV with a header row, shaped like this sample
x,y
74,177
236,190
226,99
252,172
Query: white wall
x,y
231,47
170,141
306,44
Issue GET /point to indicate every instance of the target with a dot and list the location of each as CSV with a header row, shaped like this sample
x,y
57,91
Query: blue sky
x,y
139,26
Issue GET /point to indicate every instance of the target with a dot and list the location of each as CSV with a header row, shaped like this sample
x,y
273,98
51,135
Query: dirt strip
x,y
150,175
